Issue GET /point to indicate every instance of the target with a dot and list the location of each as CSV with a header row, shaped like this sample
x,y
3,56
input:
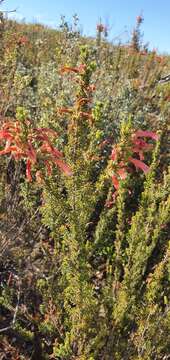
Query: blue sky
x,y
118,14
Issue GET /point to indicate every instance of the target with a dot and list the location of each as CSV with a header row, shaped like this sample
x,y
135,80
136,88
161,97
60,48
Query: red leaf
x,y
115,182
139,164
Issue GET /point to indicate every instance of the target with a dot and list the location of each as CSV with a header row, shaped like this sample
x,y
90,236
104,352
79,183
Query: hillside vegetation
x,y
84,196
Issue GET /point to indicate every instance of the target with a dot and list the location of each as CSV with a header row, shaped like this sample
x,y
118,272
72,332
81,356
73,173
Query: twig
x,y
9,11
15,315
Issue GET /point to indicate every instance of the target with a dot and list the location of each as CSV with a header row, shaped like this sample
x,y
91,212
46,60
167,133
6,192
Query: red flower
x,y
139,19
30,150
103,143
48,148
8,149
47,131
91,88
122,173
23,40
64,167
149,134
115,182
82,100
49,167
139,164
78,70
39,177
5,135
138,146
65,110
85,114
100,28
114,154
31,153
28,170
18,155
143,53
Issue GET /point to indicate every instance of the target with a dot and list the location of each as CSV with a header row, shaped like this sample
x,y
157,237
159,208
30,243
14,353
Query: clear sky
x,y
119,15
